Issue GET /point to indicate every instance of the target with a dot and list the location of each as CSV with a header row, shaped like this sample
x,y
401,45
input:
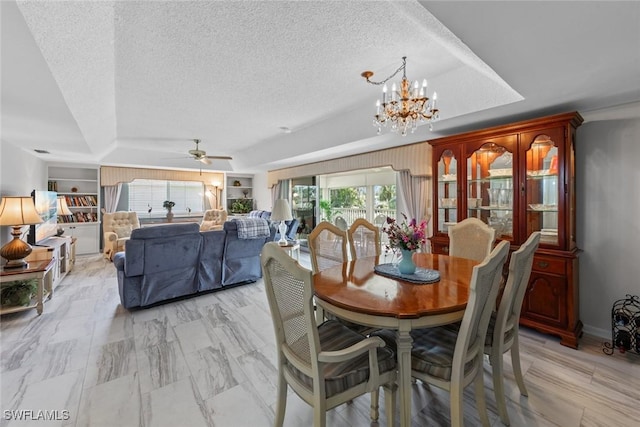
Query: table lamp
x,y
63,208
16,212
282,212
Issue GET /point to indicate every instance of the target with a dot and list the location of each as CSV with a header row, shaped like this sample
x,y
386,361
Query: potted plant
x,y
18,292
168,205
242,206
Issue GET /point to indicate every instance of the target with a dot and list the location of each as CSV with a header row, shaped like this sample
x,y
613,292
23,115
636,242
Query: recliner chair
x,y
117,228
213,219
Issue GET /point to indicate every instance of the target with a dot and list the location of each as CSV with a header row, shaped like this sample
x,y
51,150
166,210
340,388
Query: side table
x,y
42,271
292,249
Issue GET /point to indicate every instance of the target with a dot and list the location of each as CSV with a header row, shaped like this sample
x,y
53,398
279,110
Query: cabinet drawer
x,y
549,265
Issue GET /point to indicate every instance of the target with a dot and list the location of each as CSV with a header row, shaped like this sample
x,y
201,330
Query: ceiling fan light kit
x,y
201,155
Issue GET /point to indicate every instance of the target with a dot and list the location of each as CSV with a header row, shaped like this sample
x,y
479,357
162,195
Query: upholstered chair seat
x,y
341,376
117,228
213,219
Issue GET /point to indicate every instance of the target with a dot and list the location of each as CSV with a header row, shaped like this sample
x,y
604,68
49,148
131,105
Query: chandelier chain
x,y
395,73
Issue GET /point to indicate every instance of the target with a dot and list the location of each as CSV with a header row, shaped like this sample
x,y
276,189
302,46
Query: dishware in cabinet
x,y
519,178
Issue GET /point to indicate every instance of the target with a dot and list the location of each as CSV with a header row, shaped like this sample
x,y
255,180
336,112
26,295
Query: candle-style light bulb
x,y
393,92
435,96
378,106
384,93
416,85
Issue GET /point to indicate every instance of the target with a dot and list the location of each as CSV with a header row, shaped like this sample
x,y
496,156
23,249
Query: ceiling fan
x,y
201,155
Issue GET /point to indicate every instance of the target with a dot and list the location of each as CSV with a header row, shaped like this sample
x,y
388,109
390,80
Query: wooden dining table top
x,y
355,286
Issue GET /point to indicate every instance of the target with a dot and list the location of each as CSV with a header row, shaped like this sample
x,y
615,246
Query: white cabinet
x,y
80,187
87,235
239,194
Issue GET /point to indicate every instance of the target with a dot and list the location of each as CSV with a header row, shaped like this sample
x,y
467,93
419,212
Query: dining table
x,y
354,291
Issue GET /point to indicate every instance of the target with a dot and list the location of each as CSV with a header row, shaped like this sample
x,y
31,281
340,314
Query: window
x,y
146,196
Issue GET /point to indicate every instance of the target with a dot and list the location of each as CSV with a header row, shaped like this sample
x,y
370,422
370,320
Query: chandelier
x,y
403,109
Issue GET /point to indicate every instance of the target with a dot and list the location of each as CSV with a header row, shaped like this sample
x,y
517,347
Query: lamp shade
x,y
63,209
18,211
281,211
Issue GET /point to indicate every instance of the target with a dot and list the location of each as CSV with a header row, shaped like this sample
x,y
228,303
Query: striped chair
x,y
326,365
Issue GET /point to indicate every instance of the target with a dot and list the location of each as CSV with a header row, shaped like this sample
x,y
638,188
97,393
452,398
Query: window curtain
x,y
413,195
280,190
111,197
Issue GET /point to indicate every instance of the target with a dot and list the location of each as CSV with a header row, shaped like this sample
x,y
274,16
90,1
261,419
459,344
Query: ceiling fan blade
x,y
205,160
220,157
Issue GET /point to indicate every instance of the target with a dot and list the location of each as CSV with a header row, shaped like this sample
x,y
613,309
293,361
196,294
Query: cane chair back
x,y
328,246
364,239
471,238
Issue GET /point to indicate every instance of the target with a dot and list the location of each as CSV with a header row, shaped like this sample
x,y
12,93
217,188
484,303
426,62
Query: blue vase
x,y
406,265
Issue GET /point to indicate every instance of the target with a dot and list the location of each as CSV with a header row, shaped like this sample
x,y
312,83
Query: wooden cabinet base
x,y
568,338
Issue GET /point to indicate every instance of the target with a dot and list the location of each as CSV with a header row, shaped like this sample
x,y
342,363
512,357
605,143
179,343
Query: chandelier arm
x,y
401,68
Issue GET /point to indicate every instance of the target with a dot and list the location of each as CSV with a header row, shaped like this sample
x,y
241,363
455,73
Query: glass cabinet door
x,y
542,189
447,191
490,188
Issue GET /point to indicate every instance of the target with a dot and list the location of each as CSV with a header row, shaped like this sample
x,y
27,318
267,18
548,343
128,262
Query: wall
x,y
608,202
20,173
261,194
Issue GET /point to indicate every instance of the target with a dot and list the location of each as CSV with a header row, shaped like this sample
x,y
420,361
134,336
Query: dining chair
x,y
328,248
451,356
326,365
327,245
502,333
364,239
471,238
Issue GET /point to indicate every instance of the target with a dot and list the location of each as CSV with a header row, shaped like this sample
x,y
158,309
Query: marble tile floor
x,y
210,361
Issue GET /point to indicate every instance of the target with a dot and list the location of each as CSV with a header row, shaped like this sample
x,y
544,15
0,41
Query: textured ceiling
x,y
132,83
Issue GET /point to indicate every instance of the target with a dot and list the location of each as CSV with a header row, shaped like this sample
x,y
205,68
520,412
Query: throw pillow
x,y
122,231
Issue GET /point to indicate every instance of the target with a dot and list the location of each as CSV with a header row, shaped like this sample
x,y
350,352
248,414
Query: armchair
x,y
213,219
117,228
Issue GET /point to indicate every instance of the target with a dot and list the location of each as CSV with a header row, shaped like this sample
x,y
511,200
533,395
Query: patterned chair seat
x,y
344,375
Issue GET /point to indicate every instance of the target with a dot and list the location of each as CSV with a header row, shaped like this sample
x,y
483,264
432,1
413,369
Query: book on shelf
x,y
81,201
78,217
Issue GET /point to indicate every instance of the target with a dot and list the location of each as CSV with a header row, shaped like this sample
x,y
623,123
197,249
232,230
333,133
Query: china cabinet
x,y
519,178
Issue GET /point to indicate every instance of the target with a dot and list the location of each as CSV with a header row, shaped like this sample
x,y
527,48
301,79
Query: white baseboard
x,y
597,332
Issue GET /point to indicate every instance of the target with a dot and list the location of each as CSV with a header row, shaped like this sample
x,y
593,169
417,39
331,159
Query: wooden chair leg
x,y
497,373
481,403
281,404
375,396
390,396
515,362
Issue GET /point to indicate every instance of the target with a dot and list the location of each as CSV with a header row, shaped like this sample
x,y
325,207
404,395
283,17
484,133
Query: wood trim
x,y
111,175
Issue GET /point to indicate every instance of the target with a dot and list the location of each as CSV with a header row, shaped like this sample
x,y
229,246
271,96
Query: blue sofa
x,y
175,260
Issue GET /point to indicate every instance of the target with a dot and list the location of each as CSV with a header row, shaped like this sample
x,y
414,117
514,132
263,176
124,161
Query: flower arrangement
x,y
168,204
405,236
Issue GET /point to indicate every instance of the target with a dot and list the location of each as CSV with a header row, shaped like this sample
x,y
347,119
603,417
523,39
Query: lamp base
x,y
16,250
16,263
282,228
